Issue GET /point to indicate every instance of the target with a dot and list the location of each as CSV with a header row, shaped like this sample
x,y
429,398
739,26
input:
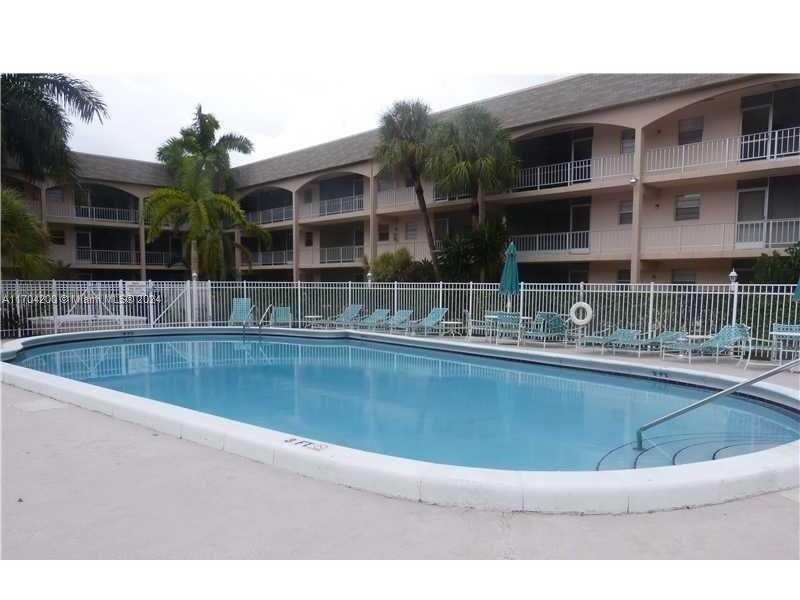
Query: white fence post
x,y
209,298
299,307
349,292
395,297
650,308
521,299
121,309
471,290
187,303
18,308
734,311
441,292
55,306
150,299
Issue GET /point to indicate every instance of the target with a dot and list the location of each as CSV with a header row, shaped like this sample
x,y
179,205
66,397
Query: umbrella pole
x,y
508,304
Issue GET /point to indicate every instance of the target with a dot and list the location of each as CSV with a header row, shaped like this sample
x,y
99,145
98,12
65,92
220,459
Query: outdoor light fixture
x,y
194,276
732,276
632,180
369,278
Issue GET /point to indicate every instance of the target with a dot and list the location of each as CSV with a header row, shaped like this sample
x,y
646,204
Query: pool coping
x,y
604,492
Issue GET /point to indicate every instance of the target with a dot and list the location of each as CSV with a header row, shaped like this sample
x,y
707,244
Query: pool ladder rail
x,y
264,317
711,398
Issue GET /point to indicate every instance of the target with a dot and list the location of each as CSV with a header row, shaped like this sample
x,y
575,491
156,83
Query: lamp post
x,y
732,276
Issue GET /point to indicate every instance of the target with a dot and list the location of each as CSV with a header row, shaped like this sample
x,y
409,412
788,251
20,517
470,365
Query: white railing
x,y
270,215
768,234
439,195
340,254
34,207
553,243
716,237
106,257
404,197
93,213
334,206
418,249
574,172
165,259
767,145
38,307
273,257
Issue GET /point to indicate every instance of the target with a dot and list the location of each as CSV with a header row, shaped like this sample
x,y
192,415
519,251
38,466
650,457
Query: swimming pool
x,y
422,404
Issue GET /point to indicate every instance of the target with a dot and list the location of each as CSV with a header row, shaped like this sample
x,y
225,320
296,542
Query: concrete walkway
x,y
78,484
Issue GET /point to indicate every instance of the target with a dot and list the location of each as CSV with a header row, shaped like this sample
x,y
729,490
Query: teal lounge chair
x,y
346,318
725,342
401,320
619,336
431,323
508,325
241,312
487,325
653,344
546,327
281,316
374,319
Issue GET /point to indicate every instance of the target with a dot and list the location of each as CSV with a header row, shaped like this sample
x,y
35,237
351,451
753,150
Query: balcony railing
x,y
773,233
334,206
166,259
271,215
273,257
440,195
553,243
94,213
106,257
397,197
767,145
340,254
574,172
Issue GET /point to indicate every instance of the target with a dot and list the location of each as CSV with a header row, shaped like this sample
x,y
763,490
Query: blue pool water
x,y
428,405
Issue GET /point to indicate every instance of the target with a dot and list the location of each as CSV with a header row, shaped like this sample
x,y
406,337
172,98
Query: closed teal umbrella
x,y
509,282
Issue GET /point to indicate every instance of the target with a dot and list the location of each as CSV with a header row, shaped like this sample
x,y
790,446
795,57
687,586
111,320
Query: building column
x,y
638,197
142,243
237,253
373,219
295,238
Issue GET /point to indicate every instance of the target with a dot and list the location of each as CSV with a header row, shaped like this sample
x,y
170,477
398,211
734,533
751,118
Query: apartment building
x,y
666,178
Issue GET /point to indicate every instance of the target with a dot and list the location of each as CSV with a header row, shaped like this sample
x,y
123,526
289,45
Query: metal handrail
x,y
706,400
264,316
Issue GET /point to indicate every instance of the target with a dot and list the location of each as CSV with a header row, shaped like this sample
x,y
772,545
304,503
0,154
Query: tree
x,y
489,244
457,257
404,149
390,266
200,215
35,121
472,152
200,140
24,240
776,268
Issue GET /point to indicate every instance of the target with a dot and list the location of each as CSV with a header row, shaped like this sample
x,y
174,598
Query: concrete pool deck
x,y
112,489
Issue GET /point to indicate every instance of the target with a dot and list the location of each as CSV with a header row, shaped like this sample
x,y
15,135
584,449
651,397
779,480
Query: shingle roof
x,y
545,102
121,170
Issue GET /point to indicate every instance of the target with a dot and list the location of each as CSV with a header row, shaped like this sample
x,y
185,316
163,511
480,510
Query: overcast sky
x,y
278,112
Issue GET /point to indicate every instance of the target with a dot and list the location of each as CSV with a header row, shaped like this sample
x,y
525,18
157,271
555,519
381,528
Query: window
x,y
690,130
687,207
624,276
309,239
683,276
383,232
627,141
57,236
308,196
411,231
626,212
83,239
55,195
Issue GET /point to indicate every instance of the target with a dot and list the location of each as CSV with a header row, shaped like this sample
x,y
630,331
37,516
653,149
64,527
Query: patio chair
x,y
486,325
241,312
608,339
281,316
785,339
652,344
346,318
431,323
374,319
508,324
400,320
546,327
723,343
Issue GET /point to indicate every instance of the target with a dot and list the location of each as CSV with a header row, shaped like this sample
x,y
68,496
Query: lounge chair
x,y
487,324
346,318
546,327
431,323
724,342
374,319
400,320
241,312
652,344
281,316
508,324
619,336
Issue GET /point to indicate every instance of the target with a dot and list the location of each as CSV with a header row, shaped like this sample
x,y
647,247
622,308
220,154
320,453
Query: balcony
x,y
719,239
93,213
341,254
440,195
273,258
575,242
270,215
397,198
574,172
768,145
595,244
334,206
106,257
418,249
165,259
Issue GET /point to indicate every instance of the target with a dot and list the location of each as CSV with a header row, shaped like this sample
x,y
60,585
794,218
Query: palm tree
x,y
472,152
35,120
200,140
404,149
200,215
24,239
